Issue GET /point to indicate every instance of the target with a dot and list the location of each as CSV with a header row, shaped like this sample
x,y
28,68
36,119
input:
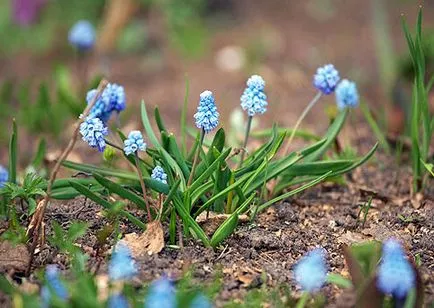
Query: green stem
x,y
303,300
302,116
196,158
246,138
113,145
142,184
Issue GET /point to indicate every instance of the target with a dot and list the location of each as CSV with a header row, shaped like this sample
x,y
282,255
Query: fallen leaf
x,y
149,242
211,221
13,257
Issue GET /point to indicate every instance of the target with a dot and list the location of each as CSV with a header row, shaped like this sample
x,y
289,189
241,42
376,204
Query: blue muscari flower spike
x,y
346,94
161,294
159,174
201,301
93,132
207,116
326,78
395,274
134,143
99,109
121,265
254,100
311,271
4,176
112,99
53,284
82,35
117,301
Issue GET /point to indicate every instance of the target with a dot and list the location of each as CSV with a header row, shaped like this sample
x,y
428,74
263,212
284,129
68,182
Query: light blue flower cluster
x,y
4,176
201,301
117,301
54,286
347,95
82,35
134,143
159,174
122,265
93,132
254,100
161,294
207,116
311,271
326,79
395,274
111,100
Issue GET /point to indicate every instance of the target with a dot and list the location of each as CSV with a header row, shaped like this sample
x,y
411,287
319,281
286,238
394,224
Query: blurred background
x,y
152,46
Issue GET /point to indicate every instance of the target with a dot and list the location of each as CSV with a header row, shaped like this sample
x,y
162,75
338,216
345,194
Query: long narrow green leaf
x,y
13,156
317,168
40,153
184,117
378,132
103,171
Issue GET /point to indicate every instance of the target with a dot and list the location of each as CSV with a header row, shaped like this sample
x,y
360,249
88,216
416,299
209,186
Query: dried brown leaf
x,y
149,242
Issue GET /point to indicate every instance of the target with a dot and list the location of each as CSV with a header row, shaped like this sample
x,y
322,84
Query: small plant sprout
x,y
325,81
161,293
347,95
254,101
207,119
122,265
4,176
310,273
201,301
82,35
53,287
93,132
117,301
395,275
159,175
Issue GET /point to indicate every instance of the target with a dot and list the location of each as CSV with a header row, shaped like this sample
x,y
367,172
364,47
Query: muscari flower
x,y
395,274
346,94
121,265
4,176
311,271
134,142
159,174
161,294
117,301
112,99
201,301
326,78
254,100
82,35
93,132
207,116
53,285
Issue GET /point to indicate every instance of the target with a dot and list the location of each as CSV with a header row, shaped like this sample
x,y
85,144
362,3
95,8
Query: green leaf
x,y
339,280
40,153
317,168
101,170
184,116
159,120
13,154
378,132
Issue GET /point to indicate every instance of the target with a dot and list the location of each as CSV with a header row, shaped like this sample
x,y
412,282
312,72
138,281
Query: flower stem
x,y
142,183
303,300
113,145
246,138
302,116
196,158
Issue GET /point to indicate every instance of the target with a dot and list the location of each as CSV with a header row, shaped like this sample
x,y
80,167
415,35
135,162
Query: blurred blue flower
x,y
254,100
395,274
201,301
121,265
4,176
53,284
117,301
326,78
207,116
82,35
134,143
161,294
114,97
159,174
346,94
93,132
311,271
99,109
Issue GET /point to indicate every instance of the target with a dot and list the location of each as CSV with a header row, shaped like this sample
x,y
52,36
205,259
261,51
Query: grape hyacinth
x,y
53,285
112,99
117,301
326,79
122,265
201,301
395,274
347,95
93,132
134,143
161,294
4,176
82,35
311,271
254,100
207,116
158,174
